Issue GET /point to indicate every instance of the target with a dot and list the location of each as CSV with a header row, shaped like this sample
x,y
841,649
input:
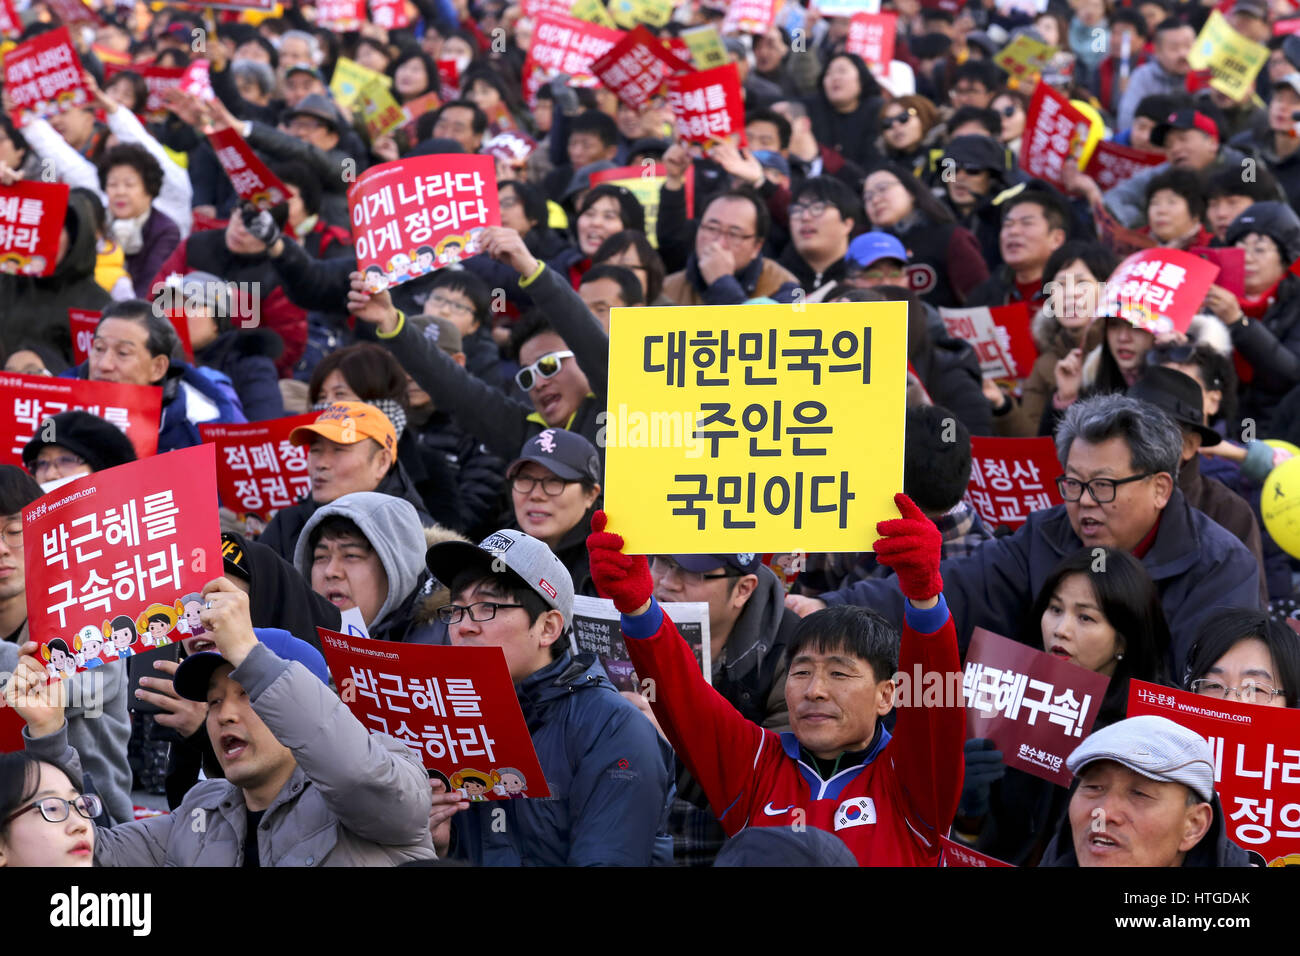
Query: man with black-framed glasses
x,y
1121,458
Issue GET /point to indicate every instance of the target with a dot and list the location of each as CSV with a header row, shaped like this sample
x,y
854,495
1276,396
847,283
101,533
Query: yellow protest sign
x,y
593,11
761,428
381,113
657,13
348,79
1024,56
706,47
643,183
1232,59
626,13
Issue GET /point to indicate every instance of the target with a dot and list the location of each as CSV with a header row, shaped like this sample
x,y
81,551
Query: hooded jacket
x,y
607,770
247,357
750,672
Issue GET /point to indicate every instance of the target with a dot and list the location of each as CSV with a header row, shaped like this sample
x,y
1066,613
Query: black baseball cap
x,y
566,453
744,563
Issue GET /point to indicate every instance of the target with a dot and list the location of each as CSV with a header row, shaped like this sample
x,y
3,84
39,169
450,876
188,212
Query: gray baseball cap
x,y
523,554
1155,747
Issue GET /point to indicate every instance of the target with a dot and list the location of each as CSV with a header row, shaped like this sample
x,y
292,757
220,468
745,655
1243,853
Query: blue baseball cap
x,y
870,247
194,674
770,159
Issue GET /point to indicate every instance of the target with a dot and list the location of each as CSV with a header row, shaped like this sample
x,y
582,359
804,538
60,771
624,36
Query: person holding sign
x,y
337,795
888,797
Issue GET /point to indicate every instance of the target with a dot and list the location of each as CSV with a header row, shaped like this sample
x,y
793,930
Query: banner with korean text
x,y
259,471
563,44
26,399
708,105
455,707
637,66
1010,478
1053,129
82,324
43,76
113,556
1112,163
1159,289
754,427
252,180
1000,336
31,226
596,629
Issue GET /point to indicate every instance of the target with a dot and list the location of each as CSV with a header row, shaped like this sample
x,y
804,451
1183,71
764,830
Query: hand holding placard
x,y
623,578
227,621
36,699
373,307
912,546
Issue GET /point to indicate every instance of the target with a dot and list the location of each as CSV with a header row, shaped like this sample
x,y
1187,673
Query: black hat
x,y
1177,395
982,152
1291,50
93,440
746,563
566,453
233,557
930,46
1273,219
317,106
1186,119
435,147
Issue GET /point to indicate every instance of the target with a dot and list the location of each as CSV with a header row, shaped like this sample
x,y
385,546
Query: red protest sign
x,y
1159,289
340,16
540,8
563,44
158,79
389,14
871,36
1232,266
196,81
1009,686
258,470
26,399
453,706
412,110
707,105
510,146
415,215
10,26
750,16
43,76
31,224
11,730
1285,27
72,12
1052,129
248,174
636,67
449,79
954,854
82,323
1112,164
110,557
1256,762
1000,336
1012,477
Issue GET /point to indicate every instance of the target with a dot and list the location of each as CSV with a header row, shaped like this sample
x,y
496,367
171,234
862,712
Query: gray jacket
x,y
355,798
1147,80
99,726
1127,201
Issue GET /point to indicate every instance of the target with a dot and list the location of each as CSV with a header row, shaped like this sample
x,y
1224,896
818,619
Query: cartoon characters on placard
x,y
60,660
117,639
188,611
156,623
477,786
421,260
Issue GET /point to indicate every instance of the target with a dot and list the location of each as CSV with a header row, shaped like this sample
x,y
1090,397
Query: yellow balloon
x,y
1281,445
1280,506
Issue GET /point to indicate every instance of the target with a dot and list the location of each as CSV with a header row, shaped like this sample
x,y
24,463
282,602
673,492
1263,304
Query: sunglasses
x,y
898,119
1008,111
548,366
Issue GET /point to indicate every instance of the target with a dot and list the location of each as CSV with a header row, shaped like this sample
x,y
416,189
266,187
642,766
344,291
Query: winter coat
x,y
607,770
1127,201
1286,171
336,168
479,474
945,261
849,134
761,278
1196,565
247,357
950,372
1147,80
1271,347
1227,509
356,797
160,237
803,273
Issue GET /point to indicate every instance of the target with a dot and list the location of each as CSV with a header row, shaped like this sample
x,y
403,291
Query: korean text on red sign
x,y
1000,336
116,559
416,215
10,26
197,81
1010,478
43,75
82,324
455,707
707,105
1035,707
955,854
340,16
1111,163
1159,289
259,471
27,399
1052,130
750,16
871,36
637,66
31,224
1256,752
389,14
248,174
157,80
563,44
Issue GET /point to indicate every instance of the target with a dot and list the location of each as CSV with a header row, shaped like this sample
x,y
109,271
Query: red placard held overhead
x,y
109,552
82,324
637,66
750,16
340,16
72,12
1052,130
389,14
707,105
871,36
1036,707
26,399
157,79
1112,164
31,223
248,174
1000,336
415,215
259,471
43,76
1256,763
454,706
197,81
563,44
1011,478
10,26
1159,290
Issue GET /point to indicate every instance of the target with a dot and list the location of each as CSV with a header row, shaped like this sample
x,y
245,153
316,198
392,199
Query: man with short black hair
x,y
823,214
607,286
1229,194
975,83
1165,72
462,121
1035,223
975,121
592,137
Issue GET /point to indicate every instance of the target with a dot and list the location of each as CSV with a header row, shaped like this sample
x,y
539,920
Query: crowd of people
x,y
474,400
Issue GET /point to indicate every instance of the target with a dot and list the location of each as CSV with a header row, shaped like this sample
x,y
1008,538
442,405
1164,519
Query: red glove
x,y
624,578
912,546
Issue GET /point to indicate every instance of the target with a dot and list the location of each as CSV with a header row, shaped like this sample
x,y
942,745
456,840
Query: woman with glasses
x,y
909,127
44,819
76,443
1243,654
1098,610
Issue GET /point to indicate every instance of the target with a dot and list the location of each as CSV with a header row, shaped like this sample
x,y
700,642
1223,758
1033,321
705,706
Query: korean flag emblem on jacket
x,y
855,812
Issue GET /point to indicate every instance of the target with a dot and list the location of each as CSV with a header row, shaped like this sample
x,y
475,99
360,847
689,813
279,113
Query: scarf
x,y
386,405
129,233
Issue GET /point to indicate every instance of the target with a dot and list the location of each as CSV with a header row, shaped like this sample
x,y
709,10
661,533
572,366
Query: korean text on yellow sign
x,y
1025,56
1233,60
754,427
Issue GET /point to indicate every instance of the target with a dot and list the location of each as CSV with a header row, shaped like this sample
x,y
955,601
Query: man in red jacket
x,y
888,797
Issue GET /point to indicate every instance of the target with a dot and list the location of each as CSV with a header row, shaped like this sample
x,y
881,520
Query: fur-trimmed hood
x,y
437,592
1207,329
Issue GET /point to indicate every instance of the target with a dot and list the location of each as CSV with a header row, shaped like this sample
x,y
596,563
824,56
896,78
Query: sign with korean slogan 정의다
x,y
756,427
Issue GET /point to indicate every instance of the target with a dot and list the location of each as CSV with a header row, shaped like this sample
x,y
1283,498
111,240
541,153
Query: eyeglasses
x,y
1102,490
899,119
660,565
1008,111
62,462
445,303
524,484
1250,692
870,194
548,366
56,809
12,535
812,210
481,611
713,231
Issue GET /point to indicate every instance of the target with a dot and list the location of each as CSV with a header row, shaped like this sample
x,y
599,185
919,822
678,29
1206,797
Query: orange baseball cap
x,y
348,423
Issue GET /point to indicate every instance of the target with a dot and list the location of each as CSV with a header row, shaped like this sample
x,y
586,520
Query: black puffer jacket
x,y
1271,346
950,372
248,357
479,474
